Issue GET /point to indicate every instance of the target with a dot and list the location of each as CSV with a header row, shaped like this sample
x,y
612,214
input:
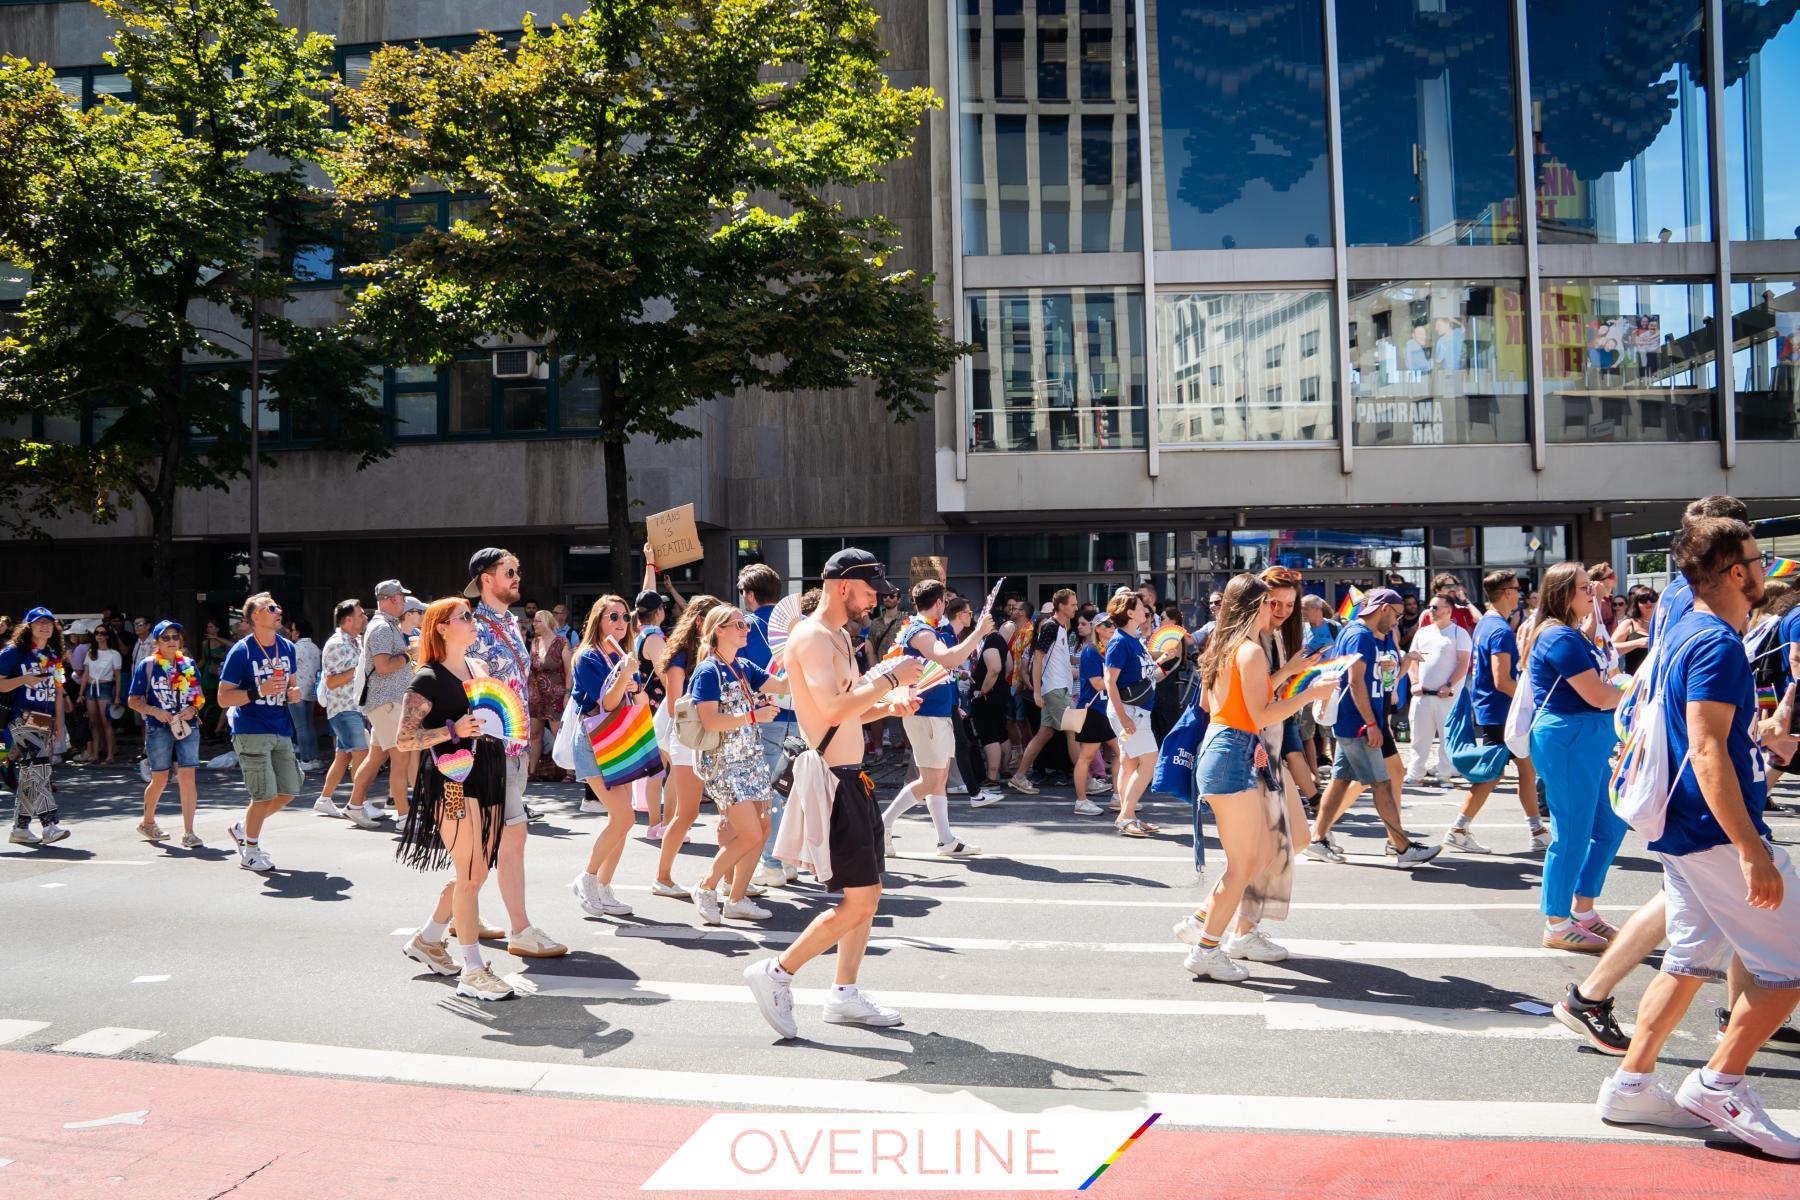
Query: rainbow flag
x,y
1126,1145
1766,699
1332,668
624,743
1352,601
1782,568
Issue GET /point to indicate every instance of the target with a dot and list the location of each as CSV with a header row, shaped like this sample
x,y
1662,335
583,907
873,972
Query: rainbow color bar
x,y
1126,1145
934,676
1165,640
1767,699
498,708
778,662
624,742
1330,668
1352,601
1782,568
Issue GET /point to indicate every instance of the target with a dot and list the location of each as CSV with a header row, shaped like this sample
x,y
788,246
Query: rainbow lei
x,y
52,664
184,681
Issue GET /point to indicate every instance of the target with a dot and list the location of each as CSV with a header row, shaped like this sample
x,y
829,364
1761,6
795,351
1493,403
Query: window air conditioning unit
x,y
515,364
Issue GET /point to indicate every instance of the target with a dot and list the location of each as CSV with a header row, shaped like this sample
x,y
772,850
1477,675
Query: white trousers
x,y
1428,716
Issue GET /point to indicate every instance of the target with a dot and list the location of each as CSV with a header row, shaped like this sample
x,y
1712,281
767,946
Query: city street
x,y
247,1030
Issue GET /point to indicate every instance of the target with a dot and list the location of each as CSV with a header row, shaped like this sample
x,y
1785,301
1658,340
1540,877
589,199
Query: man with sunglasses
x,y
383,674
256,685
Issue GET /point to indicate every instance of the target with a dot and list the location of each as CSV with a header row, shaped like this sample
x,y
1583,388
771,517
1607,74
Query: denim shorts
x,y
161,748
1291,741
348,732
1359,762
1226,763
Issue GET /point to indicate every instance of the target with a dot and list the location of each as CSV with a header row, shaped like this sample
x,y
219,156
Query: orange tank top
x,y
1233,714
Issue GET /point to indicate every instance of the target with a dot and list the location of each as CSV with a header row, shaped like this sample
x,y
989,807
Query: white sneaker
x,y
311,764
53,833
673,891
1323,851
1737,1110
236,831
597,900
434,956
770,877
708,903
1098,787
360,816
22,836
984,799
754,889
774,997
857,1008
376,808
792,872
1256,947
252,858
1214,964
1462,839
532,942
1087,808
479,983
1417,854
745,910
957,850
958,789
325,808
1188,930
1019,783
1540,840
1653,1104
887,845
593,806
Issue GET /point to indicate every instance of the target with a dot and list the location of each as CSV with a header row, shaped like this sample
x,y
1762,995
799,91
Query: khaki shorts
x,y
268,765
384,725
1056,703
933,741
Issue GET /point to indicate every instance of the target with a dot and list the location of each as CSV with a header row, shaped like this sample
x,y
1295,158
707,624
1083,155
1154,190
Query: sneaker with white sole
x,y
770,877
150,831
1462,839
1098,787
774,997
792,872
1214,964
593,807
1256,947
857,1007
1737,1110
479,983
984,799
254,858
1022,785
1416,855
957,850
1189,929
22,836
1576,937
597,899
1540,841
434,956
957,789
1087,808
745,910
1321,850
532,942
1652,1104
673,891
236,832
377,809
887,845
191,841
360,816
325,808
707,901
53,833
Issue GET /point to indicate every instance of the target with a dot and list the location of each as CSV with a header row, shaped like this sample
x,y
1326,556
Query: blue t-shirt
x,y
1093,666
152,682
1786,635
39,697
679,662
714,681
1559,655
247,664
1381,669
1705,660
939,701
1318,637
1492,636
1128,654
756,644
593,676
1676,602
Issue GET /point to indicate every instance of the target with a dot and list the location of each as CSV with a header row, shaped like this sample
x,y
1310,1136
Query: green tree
x,y
150,226
662,182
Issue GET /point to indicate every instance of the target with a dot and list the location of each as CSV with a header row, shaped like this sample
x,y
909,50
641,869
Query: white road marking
x,y
13,1030
405,931
151,979
52,885
105,1041
1318,1114
124,1118
5,1162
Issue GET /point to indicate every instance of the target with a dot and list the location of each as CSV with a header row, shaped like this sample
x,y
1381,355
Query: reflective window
x,y
1056,370
471,395
1524,545
525,408
1050,161
416,414
1619,109
1226,374
1765,326
1238,117
15,281
1762,76
1628,361
1438,362
578,397
1427,105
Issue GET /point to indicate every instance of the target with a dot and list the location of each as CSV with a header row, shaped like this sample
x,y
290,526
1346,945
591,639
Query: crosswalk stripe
x,y
105,1041
12,1030
1276,1012
1317,1114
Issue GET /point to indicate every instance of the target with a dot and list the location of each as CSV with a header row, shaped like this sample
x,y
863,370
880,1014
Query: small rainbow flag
x,y
624,742
1126,1145
1331,668
1352,601
1782,568
498,708
1766,699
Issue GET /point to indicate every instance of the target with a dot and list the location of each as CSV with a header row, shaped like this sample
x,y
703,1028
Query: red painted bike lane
x,y
209,1132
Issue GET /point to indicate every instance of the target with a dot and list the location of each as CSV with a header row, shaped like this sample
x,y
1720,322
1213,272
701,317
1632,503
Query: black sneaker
x,y
1785,1034
1594,1022
532,815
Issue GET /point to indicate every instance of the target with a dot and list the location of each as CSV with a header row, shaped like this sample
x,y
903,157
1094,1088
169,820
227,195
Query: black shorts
x,y
856,830
1096,730
1492,735
1388,748
989,715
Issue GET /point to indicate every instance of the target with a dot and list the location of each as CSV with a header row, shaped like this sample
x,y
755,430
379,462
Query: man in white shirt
x,y
1052,686
306,675
1442,663
336,690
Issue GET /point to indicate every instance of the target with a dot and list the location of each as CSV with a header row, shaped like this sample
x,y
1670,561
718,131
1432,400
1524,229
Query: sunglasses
x,y
169,637
612,616
465,617
740,623
271,608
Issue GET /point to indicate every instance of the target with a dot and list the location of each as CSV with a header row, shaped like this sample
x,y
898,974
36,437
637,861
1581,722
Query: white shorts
x,y
663,722
1709,919
384,725
933,742
1138,744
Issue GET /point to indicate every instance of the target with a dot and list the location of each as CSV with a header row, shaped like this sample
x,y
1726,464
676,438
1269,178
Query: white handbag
x,y
562,752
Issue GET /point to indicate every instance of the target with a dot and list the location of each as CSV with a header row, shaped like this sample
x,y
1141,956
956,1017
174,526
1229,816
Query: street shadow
x,y
936,1059
173,849
321,886
1038,873
57,853
1338,979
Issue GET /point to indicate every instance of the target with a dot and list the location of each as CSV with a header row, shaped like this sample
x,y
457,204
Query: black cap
x,y
649,602
480,561
851,563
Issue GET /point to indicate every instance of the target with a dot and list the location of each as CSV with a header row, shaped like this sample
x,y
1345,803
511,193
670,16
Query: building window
x,y
1238,90
1056,370
1620,116
1629,360
1429,141
1440,361
1309,343
1205,392
1765,323
1762,63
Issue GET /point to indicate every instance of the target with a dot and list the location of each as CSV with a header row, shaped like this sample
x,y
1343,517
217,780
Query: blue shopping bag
x,y
1474,760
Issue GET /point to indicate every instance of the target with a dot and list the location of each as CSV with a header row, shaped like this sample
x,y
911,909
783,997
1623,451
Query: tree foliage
x,y
663,183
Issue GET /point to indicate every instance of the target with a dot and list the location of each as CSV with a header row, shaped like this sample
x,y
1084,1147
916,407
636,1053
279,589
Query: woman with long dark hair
x,y
31,670
99,692
681,653
1235,777
647,647
1631,636
551,676
214,646
458,799
606,679
1284,643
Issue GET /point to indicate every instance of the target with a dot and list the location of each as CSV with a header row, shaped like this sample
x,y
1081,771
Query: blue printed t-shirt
x,y
1706,661
39,697
1492,636
152,682
1559,655
679,662
1093,666
1360,640
247,664
1318,637
756,645
714,681
1676,602
593,676
939,701
1128,654
1786,635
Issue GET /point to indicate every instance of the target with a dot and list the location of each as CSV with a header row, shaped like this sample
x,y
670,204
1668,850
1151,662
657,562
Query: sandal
x,y
1148,827
1132,828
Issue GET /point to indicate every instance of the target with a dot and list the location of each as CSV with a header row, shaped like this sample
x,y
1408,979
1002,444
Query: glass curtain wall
x,y
1765,322
1245,367
1629,361
1762,101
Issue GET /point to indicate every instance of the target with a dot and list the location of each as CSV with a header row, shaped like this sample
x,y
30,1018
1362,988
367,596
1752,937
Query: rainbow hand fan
x,y
1331,668
934,676
498,708
1352,601
1165,640
1782,568
782,620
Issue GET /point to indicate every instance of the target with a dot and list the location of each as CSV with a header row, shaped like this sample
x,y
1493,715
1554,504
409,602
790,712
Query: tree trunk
x,y
618,484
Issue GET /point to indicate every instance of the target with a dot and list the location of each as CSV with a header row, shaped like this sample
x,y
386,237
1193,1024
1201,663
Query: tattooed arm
x,y
414,735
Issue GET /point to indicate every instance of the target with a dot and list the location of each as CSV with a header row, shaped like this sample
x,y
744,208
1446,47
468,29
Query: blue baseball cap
x,y
40,613
163,627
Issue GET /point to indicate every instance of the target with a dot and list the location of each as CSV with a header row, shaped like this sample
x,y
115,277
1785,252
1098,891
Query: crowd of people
x,y
1269,715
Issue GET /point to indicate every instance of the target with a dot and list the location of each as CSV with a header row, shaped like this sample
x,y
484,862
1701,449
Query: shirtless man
x,y
831,700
